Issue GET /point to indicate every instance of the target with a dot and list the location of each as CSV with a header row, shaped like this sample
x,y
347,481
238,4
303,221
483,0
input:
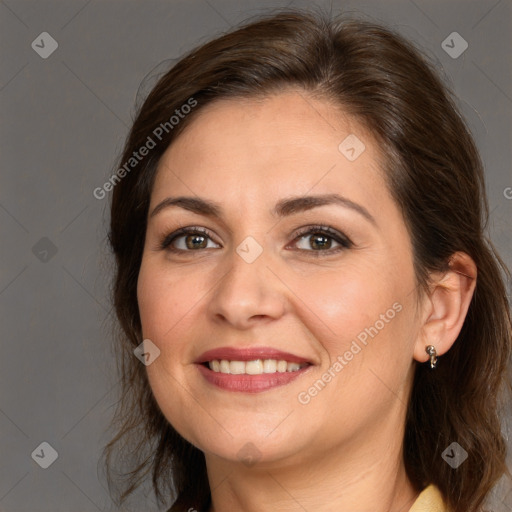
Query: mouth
x,y
252,369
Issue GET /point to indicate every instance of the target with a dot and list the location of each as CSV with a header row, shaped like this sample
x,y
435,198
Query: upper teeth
x,y
255,367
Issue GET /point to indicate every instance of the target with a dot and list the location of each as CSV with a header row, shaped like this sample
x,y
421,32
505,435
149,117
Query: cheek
x,y
167,318
358,318
362,318
344,302
162,299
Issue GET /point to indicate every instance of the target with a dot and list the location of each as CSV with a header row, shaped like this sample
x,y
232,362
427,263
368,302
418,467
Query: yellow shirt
x,y
429,500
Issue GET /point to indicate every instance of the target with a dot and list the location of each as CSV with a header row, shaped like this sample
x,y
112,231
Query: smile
x,y
242,380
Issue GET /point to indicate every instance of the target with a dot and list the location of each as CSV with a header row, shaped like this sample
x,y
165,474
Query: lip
x,y
249,354
249,383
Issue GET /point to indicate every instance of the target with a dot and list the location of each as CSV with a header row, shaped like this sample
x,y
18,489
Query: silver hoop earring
x,y
431,351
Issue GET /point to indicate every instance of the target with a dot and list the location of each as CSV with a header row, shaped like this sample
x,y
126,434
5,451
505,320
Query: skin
x,y
343,449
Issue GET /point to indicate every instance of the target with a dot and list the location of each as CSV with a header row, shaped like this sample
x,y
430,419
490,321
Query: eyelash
x,y
344,241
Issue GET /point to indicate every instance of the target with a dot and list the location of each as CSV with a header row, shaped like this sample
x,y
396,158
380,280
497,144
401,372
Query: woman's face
x,y
261,276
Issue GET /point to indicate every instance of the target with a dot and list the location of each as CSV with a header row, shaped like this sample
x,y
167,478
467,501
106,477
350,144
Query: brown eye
x,y
195,241
318,240
186,240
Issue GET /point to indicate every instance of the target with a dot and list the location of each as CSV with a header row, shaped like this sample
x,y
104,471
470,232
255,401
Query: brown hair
x,y
435,175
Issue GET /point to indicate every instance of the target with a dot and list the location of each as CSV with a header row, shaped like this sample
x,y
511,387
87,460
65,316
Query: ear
x,y
446,305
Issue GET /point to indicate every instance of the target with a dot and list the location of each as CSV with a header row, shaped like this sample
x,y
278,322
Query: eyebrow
x,y
285,207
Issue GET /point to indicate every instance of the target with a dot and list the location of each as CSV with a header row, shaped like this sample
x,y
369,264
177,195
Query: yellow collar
x,y
429,500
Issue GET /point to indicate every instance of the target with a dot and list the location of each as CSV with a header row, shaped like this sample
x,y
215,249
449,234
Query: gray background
x,y
64,120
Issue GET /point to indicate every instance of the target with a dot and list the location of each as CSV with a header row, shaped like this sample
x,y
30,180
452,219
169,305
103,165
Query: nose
x,y
247,294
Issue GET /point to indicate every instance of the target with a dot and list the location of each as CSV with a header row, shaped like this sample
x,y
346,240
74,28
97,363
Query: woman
x,y
298,229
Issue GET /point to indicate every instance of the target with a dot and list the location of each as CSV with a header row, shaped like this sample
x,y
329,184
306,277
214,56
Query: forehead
x,y
281,144
298,117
